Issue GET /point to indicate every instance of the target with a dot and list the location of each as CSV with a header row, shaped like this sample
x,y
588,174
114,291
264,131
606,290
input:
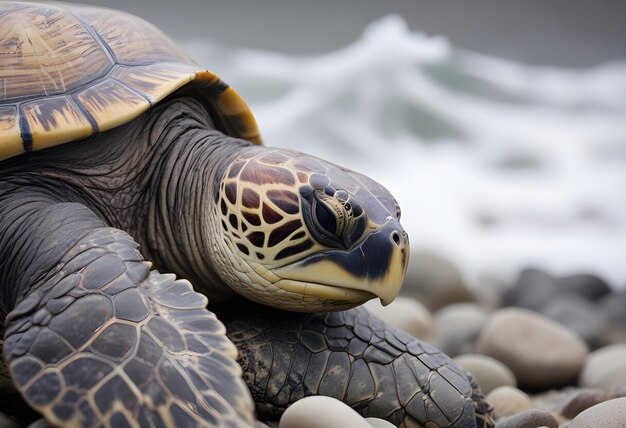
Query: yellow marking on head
x,y
261,211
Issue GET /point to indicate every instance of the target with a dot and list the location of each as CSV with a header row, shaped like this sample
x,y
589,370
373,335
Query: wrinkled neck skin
x,y
155,178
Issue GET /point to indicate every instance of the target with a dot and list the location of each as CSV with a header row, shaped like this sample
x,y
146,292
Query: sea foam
x,y
497,165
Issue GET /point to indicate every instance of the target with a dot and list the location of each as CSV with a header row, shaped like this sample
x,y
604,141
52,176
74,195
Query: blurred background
x,y
499,126
570,33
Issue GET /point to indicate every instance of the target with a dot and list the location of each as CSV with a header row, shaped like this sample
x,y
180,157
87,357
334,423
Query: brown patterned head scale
x,y
304,234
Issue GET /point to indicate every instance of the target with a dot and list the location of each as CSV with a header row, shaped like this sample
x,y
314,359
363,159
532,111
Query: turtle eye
x,y
334,218
325,218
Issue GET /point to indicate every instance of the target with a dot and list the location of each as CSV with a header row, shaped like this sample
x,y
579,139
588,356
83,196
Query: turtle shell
x,y
67,72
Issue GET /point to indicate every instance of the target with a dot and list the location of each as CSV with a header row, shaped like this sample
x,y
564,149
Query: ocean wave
x,y
496,164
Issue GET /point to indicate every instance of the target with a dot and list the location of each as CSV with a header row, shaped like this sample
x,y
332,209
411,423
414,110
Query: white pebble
x,y
508,401
406,314
488,372
605,368
540,352
609,414
379,423
321,412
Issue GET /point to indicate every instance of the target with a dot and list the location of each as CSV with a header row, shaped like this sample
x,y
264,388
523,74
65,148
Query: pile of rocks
x,y
547,351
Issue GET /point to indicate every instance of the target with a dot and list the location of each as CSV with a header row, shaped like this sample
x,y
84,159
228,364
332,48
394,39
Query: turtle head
x,y
304,234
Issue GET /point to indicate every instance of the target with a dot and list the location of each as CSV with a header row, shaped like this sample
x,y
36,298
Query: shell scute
x,y
111,104
10,138
132,40
68,71
46,51
53,118
153,81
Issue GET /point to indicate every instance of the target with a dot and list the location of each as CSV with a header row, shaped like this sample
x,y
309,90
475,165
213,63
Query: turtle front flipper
x,y
377,369
98,339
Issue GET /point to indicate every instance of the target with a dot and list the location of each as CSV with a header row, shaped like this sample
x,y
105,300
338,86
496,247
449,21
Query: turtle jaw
x,y
349,296
373,268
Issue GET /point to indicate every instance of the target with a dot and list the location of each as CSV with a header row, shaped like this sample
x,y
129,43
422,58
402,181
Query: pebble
x,y
379,423
613,306
488,372
540,352
579,315
321,412
406,314
554,400
612,334
529,419
605,368
588,286
488,292
508,401
434,281
583,400
609,414
457,326
533,289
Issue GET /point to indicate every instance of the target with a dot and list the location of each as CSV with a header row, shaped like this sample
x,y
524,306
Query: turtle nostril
x,y
396,237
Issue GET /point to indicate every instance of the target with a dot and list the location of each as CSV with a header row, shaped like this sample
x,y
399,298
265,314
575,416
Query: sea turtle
x,y
151,165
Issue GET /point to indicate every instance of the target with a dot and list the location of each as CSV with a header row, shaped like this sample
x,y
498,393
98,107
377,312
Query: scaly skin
x,y
353,356
136,179
102,339
76,290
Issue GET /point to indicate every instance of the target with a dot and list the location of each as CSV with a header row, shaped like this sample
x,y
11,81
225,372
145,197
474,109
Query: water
x,y
496,165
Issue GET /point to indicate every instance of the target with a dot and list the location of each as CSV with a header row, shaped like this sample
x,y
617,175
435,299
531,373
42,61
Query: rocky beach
x,y
546,350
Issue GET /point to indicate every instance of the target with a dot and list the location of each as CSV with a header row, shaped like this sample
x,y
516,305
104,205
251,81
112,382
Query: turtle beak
x,y
374,267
